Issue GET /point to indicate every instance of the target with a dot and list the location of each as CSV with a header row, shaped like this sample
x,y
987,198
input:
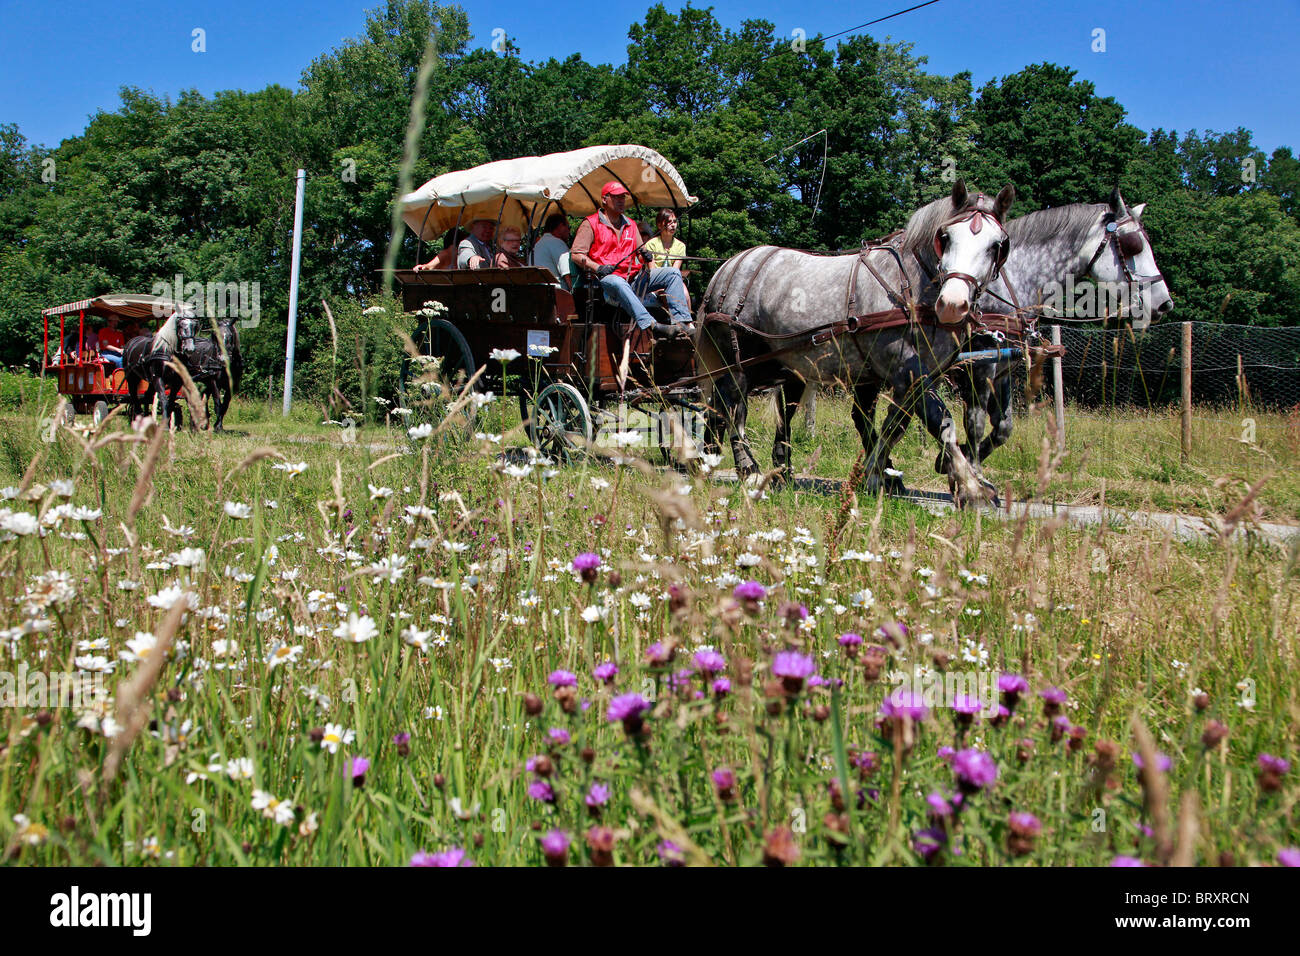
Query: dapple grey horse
x,y
949,250
1051,250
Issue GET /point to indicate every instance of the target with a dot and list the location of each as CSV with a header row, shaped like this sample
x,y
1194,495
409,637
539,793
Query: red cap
x,y
613,188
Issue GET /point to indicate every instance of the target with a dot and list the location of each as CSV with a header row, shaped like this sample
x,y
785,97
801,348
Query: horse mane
x,y
166,335
918,235
1074,220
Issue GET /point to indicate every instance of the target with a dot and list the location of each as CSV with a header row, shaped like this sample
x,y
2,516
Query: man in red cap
x,y
608,244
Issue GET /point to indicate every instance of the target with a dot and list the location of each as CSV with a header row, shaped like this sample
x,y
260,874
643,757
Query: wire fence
x,y
1233,365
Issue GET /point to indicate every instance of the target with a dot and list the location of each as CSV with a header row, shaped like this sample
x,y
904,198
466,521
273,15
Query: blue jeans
x,y
112,358
633,297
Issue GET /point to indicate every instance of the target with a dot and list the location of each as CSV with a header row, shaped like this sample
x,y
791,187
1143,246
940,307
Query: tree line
x,y
203,186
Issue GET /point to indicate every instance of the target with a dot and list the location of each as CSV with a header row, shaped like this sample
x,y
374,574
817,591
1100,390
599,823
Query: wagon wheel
x,y
99,412
561,423
419,390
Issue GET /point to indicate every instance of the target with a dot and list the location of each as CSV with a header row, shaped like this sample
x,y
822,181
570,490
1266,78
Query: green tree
x,y
1051,136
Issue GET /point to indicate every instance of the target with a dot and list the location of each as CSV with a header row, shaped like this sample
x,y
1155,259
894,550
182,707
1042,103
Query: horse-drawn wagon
x,y
86,364
582,369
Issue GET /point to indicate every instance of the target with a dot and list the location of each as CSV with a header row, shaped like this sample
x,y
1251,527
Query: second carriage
x,y
583,373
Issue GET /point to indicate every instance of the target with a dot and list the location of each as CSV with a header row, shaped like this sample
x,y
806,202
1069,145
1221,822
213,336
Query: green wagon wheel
x,y
437,338
561,423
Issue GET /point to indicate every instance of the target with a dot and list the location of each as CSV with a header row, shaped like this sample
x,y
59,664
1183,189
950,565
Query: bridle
x,y
976,219
1128,245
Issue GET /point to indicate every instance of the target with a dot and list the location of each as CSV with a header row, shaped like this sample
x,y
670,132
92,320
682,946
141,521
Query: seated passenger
x,y
111,342
475,250
511,242
553,244
608,245
446,259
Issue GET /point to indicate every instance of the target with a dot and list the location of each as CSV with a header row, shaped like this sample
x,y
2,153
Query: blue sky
x,y
1178,65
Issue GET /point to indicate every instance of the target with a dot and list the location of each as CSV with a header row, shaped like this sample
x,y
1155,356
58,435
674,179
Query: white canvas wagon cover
x,y
127,305
522,192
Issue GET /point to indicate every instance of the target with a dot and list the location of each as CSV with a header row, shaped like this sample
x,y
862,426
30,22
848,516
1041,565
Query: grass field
x,y
285,648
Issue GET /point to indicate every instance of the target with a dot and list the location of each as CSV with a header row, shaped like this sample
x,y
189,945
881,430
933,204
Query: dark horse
x,y
145,359
778,300
214,362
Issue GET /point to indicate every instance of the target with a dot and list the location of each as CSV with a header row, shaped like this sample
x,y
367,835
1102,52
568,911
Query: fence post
x,y
1058,388
1187,391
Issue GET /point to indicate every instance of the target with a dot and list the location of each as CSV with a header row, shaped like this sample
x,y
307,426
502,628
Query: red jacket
x,y
608,246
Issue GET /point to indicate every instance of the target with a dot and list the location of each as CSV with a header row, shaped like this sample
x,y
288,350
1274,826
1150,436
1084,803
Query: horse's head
x,y
970,247
1123,261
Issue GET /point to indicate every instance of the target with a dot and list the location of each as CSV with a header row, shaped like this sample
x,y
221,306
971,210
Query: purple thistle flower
x,y
598,795
749,592
1024,823
402,738
850,640
587,561
452,857
865,760
724,778
670,854
562,679
1274,764
946,753
939,805
628,708
657,653
975,770
555,847
357,768
541,791
709,662
605,672
680,680
1163,763
1126,861
1289,856
905,703
966,705
793,668
1011,686
559,736
1053,698
929,842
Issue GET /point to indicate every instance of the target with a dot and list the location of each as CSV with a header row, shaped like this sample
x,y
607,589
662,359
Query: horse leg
x,y
1000,415
160,389
735,402
896,421
787,402
865,395
963,480
224,393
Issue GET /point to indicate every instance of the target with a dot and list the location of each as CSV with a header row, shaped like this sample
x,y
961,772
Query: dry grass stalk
x,y
1188,831
198,414
258,454
1155,788
144,482
1247,509
132,695
669,828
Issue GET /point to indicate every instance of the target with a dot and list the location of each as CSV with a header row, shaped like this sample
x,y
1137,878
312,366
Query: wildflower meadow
x,y
438,648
